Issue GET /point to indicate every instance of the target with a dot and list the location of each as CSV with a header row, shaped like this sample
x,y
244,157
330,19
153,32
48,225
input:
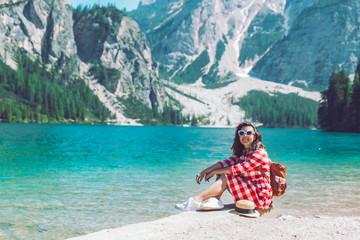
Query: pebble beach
x,y
227,224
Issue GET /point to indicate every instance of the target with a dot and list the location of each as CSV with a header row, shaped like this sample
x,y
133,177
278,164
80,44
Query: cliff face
x,y
43,28
109,41
324,39
99,41
210,39
216,41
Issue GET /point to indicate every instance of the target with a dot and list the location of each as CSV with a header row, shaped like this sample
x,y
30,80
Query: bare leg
x,y
214,190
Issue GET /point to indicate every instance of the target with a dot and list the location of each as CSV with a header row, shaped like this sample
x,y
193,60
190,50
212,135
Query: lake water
x,y
60,181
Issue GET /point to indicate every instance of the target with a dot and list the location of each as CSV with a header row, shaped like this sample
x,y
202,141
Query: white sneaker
x,y
189,205
211,204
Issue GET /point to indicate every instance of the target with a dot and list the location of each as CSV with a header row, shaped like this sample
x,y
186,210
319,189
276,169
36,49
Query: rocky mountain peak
x,y
43,28
207,35
101,45
324,39
215,42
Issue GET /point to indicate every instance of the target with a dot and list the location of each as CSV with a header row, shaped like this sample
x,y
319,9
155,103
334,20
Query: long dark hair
x,y
237,146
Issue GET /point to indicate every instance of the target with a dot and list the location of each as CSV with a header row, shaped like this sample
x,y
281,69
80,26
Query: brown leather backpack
x,y
277,178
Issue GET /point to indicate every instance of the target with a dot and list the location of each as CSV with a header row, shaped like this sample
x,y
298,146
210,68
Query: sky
x,y
120,4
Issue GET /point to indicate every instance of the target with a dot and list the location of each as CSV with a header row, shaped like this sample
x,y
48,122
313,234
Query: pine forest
x,y
339,109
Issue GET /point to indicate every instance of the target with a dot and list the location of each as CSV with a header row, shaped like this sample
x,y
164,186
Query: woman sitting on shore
x,y
238,174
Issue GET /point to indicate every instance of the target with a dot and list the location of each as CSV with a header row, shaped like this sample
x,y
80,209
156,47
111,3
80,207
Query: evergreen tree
x,y
194,121
334,105
323,115
355,104
279,110
338,93
35,94
339,107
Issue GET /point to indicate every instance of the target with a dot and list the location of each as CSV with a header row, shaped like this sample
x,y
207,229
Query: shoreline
x,y
226,224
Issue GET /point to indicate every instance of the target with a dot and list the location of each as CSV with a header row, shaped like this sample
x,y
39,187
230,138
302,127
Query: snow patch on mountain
x,y
147,2
216,105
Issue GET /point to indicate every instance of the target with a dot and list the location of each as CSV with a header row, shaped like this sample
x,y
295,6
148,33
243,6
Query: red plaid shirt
x,y
246,182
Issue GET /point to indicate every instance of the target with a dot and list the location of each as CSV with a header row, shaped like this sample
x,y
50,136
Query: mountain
x,y
203,39
276,40
111,44
37,28
102,46
190,67
325,38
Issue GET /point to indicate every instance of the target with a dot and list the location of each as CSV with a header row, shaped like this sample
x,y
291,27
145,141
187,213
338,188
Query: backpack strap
x,y
263,173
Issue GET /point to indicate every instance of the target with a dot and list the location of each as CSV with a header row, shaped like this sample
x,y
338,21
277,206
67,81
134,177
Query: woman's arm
x,y
211,171
219,171
200,176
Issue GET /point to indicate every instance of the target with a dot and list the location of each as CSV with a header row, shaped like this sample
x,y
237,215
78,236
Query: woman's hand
x,y
200,176
206,172
209,175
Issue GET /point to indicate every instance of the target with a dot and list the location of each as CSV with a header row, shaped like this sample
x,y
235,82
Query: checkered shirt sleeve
x,y
257,158
230,161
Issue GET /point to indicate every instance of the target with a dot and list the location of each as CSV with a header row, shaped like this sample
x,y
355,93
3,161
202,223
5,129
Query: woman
x,y
239,174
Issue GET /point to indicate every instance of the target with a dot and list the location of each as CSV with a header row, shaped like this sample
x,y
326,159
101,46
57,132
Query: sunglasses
x,y
243,133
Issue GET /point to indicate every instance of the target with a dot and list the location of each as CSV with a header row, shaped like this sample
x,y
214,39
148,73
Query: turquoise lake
x,y
61,181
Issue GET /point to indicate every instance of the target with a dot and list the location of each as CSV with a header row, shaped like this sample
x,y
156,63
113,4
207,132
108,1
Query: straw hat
x,y
246,208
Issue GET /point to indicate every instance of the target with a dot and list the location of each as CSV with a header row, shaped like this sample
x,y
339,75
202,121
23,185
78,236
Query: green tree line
x,y
280,110
33,93
167,117
339,109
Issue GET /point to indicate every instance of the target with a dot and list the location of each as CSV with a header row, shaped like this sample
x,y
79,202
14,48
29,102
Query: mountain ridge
x,y
44,29
106,49
251,44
